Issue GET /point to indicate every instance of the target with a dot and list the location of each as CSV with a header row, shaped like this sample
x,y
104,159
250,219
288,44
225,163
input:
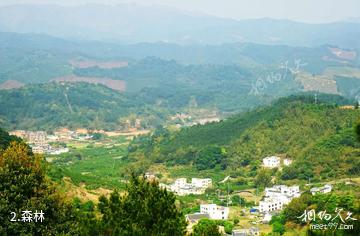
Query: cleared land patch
x,y
11,84
83,64
118,85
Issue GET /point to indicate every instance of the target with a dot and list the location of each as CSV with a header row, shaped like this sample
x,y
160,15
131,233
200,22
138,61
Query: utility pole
x,y
315,98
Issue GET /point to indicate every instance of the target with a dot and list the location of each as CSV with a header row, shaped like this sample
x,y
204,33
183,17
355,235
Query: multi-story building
x,y
271,204
197,186
214,211
283,190
278,196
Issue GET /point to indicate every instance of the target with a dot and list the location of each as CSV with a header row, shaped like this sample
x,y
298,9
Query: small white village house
x,y
181,187
214,211
271,162
283,191
325,189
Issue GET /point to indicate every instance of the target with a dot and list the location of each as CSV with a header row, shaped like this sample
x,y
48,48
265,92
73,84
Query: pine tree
x,y
145,209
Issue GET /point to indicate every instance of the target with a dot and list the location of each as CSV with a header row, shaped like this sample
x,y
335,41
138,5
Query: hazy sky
x,y
314,11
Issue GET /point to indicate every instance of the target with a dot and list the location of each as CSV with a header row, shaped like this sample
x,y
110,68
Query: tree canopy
x,y
145,209
24,187
206,227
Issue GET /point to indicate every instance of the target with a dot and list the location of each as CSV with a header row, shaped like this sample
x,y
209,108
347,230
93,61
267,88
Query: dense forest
x,y
73,105
319,137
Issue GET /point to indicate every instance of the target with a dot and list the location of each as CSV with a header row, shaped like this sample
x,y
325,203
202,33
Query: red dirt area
x,y
11,84
118,85
343,54
103,65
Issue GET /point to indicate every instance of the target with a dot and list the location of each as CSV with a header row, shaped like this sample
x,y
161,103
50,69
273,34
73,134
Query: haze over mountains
x,y
134,23
165,60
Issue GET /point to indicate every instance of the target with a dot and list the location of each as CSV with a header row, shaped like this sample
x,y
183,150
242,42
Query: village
x,y
54,143
272,202
40,141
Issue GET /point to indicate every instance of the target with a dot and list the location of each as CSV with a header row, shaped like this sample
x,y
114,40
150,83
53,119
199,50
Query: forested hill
x,y
73,105
319,137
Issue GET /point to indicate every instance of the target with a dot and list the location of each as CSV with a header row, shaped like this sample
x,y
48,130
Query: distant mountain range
x,y
164,68
133,24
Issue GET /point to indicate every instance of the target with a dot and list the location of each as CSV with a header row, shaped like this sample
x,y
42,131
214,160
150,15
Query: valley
x,y
219,119
229,153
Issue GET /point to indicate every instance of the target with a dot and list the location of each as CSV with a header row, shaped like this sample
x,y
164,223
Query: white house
x,y
271,204
271,162
201,183
278,196
197,186
177,185
283,190
287,162
214,211
325,189
267,218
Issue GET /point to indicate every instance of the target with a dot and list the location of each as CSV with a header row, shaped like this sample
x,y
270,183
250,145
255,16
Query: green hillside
x,y
320,138
52,105
31,66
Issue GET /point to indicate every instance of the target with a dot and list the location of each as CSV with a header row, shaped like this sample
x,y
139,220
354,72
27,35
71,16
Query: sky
x,y
310,11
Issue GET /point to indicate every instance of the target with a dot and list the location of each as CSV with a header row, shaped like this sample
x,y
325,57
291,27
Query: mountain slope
x,y
318,137
48,106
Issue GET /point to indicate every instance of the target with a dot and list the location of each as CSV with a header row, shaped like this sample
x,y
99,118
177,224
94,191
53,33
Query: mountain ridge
x,y
179,27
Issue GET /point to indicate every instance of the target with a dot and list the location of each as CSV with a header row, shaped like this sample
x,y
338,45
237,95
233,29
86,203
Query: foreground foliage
x,y
24,187
144,209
